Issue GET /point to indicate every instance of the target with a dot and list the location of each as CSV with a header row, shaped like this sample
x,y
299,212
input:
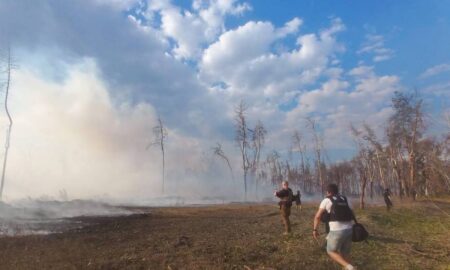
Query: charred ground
x,y
413,236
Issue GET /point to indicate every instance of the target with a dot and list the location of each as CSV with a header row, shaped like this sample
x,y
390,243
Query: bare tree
x,y
360,164
297,146
160,136
409,163
8,131
275,168
218,151
406,126
318,146
379,152
243,140
258,139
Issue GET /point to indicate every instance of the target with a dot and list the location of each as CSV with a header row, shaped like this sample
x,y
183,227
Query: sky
x,y
91,78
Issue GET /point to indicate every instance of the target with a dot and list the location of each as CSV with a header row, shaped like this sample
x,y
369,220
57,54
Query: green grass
x,y
415,236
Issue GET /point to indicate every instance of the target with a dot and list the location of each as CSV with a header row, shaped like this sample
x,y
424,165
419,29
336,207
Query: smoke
x,y
47,216
70,135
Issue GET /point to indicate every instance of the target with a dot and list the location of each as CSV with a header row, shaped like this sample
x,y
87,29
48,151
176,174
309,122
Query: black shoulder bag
x,y
359,232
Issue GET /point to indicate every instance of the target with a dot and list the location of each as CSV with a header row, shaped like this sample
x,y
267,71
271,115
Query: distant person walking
x,y
286,197
298,199
339,239
387,199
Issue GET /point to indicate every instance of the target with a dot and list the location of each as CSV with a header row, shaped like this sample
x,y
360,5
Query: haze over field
x,y
91,79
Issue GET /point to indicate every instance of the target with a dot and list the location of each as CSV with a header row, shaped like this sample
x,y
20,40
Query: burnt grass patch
x,y
411,236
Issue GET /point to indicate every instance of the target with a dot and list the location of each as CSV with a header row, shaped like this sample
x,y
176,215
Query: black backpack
x,y
340,211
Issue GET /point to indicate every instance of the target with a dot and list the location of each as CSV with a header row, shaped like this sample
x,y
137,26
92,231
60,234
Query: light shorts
x,y
340,241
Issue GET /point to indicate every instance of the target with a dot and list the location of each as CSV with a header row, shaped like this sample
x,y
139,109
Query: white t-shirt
x,y
336,225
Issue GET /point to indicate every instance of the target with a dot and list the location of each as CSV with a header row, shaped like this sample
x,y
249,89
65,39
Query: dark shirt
x,y
284,193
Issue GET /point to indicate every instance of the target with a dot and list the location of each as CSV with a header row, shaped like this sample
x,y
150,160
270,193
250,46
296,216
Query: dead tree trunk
x,y
160,136
363,188
258,140
242,139
318,151
8,131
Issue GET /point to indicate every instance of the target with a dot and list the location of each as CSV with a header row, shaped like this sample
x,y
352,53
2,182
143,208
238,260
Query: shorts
x,y
340,241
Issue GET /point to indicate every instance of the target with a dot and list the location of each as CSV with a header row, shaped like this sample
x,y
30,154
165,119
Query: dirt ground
x,y
234,236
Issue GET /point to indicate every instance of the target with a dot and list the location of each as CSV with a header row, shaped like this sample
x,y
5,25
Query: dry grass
x,y
412,236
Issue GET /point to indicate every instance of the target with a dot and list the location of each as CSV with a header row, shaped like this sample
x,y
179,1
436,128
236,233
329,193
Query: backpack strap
x,y
353,213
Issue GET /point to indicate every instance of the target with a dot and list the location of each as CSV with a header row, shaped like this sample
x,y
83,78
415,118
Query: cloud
x,y
374,45
132,59
435,70
439,89
94,76
204,23
361,97
118,4
244,60
290,27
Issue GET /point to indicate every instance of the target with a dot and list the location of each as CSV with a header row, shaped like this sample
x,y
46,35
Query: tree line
x,y
405,159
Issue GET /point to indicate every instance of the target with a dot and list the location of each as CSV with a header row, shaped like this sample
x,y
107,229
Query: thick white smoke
x,y
70,135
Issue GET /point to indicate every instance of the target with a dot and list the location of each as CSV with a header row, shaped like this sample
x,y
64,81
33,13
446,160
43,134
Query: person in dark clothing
x,y
387,199
414,194
298,199
286,197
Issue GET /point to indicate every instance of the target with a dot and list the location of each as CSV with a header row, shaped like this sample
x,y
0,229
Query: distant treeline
x,y
404,160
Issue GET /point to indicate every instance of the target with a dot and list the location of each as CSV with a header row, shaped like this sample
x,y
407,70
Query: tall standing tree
x,y
297,146
406,128
275,168
8,131
371,138
242,139
359,162
318,146
160,135
258,139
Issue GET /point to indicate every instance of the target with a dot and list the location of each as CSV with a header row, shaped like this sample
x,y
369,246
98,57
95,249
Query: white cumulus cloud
x,y
193,29
375,46
362,97
244,59
435,70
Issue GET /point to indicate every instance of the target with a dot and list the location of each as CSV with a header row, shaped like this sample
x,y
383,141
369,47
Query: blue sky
x,y
401,39
98,73
418,31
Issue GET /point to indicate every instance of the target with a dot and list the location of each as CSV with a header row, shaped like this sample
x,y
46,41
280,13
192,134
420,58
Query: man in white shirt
x,y
339,238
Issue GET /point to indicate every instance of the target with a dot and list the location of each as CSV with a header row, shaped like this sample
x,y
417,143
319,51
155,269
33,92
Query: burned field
x,y
232,236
